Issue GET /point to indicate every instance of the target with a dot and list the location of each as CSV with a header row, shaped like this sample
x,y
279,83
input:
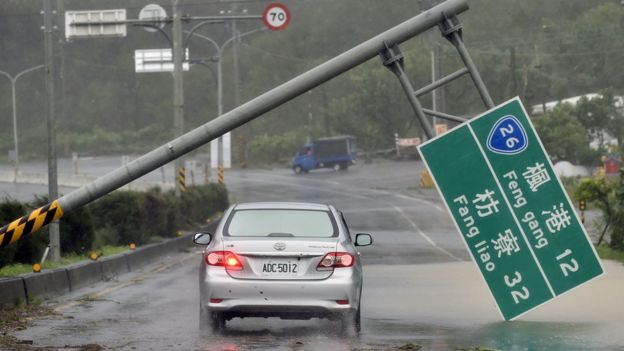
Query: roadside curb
x,y
57,282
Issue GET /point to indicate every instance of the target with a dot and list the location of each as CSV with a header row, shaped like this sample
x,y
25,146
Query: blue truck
x,y
337,152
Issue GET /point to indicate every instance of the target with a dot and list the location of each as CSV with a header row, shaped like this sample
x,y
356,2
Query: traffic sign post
x,y
511,209
276,16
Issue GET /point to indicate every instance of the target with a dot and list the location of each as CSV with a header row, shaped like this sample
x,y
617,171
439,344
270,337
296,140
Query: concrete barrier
x,y
56,282
46,284
12,291
84,274
114,266
137,260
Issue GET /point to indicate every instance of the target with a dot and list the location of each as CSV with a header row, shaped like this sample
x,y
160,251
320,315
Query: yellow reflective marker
x,y
132,246
36,268
93,256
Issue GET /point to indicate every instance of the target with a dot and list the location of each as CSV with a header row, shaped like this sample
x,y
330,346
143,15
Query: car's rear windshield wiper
x,y
281,234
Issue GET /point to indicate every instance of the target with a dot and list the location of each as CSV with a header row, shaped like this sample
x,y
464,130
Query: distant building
x,y
538,110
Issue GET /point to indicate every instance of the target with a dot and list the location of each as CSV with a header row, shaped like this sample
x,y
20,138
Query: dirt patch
x,y
20,318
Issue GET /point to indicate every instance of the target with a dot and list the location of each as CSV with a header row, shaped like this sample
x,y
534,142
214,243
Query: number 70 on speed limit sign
x,y
276,16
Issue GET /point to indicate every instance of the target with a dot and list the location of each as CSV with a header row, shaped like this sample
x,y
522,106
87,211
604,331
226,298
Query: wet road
x,y
419,285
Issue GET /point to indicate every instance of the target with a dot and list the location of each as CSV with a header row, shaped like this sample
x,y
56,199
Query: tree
x,y
564,137
601,193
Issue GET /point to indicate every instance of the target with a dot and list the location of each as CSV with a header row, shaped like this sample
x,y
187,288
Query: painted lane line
x,y
425,236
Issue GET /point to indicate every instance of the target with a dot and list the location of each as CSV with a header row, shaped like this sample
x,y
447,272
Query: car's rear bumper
x,y
297,299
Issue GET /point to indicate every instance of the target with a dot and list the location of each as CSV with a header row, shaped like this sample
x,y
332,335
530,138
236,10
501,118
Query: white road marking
x,y
425,236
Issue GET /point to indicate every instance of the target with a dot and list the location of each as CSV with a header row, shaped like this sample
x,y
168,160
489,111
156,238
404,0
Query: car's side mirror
x,y
363,239
202,238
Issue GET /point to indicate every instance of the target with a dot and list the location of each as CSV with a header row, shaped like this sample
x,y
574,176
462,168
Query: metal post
x,y
451,28
220,105
393,59
55,242
15,143
434,93
178,85
228,121
235,58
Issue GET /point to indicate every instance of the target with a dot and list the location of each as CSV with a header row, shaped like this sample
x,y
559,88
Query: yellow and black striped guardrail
x,y
30,223
182,179
221,175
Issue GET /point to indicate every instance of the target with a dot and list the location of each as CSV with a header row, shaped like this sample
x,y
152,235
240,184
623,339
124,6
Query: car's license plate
x,y
279,268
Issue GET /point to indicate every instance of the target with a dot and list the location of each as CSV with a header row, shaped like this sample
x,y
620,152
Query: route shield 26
x,y
511,209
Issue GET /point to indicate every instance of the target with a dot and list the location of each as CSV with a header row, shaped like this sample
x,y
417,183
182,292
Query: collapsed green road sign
x,y
511,210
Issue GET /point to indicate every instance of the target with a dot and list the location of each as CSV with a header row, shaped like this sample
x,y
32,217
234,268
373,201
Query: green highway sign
x,y
511,209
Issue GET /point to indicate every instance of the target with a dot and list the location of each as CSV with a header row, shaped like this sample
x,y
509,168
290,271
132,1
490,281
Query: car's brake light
x,y
336,260
227,259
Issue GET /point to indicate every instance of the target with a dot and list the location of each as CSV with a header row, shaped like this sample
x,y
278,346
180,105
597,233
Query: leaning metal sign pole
x,y
230,120
451,29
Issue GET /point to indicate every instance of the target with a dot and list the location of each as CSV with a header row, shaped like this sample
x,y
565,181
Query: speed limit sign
x,y
276,16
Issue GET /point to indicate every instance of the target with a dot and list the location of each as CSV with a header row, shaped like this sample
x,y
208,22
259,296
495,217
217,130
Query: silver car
x,y
280,259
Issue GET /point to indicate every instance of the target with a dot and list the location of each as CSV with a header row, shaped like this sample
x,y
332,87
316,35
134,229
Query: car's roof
x,y
281,205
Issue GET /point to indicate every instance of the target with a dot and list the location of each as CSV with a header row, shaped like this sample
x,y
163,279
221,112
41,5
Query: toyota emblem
x,y
279,246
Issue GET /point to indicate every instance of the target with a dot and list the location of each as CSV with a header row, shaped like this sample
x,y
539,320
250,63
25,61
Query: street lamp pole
x,y
219,60
13,81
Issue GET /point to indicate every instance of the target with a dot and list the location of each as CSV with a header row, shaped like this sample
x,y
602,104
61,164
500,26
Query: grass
x,y
21,268
607,253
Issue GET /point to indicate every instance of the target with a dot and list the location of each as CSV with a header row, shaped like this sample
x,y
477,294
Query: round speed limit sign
x,y
276,16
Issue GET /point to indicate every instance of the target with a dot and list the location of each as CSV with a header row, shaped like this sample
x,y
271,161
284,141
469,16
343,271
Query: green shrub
x,y
119,218
105,236
124,212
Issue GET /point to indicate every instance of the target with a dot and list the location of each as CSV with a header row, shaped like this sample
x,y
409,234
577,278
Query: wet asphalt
x,y
420,286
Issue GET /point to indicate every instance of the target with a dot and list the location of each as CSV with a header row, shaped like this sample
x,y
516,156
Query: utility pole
x,y
178,83
235,58
60,80
55,242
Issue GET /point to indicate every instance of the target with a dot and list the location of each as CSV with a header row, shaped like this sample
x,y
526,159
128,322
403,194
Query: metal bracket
x,y
451,29
392,55
451,25
394,61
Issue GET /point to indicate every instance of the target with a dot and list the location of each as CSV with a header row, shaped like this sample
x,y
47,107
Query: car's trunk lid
x,y
279,258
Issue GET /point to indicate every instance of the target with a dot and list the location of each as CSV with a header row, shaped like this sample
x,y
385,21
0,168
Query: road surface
x,y
420,286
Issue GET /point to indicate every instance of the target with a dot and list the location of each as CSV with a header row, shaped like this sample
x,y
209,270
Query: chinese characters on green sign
x,y
511,209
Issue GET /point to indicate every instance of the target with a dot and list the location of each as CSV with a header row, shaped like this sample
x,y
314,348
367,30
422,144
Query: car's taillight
x,y
227,259
336,260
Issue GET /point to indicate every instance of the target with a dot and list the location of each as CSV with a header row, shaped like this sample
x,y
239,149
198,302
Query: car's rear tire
x,y
210,321
351,321
203,320
344,166
357,320
337,167
217,322
298,169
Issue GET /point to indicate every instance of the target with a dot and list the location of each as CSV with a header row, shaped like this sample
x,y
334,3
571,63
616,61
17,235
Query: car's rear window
x,y
281,223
